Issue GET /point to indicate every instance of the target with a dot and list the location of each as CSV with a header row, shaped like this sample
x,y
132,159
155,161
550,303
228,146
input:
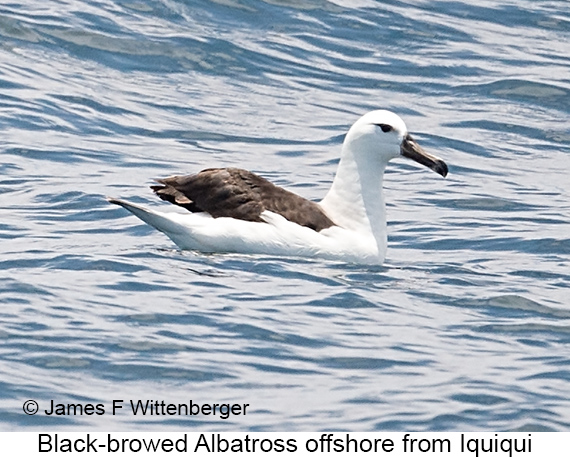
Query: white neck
x,y
355,200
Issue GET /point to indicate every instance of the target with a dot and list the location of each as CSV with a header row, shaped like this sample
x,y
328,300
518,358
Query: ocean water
x,y
465,327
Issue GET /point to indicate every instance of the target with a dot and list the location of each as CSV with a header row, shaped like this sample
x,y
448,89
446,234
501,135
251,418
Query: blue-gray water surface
x,y
465,327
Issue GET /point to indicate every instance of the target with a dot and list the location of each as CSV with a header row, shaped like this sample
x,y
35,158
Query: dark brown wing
x,y
232,192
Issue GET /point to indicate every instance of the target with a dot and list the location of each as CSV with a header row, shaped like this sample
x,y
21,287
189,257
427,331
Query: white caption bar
x,y
273,443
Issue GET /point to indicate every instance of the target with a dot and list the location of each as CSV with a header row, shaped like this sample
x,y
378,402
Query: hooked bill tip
x,y
440,167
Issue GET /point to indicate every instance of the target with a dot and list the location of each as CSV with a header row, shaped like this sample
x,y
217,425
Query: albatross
x,y
230,210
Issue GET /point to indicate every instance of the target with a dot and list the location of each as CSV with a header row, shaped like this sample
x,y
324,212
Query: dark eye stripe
x,y
385,127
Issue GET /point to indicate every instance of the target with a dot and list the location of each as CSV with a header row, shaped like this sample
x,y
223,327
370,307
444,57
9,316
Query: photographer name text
x,y
147,408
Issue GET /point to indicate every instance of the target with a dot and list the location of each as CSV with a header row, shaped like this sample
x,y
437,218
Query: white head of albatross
x,y
356,197
234,210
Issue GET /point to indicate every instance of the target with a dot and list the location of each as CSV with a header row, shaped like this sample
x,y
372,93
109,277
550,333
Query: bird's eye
x,y
385,127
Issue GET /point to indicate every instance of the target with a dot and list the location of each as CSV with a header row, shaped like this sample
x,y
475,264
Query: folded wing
x,y
240,194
